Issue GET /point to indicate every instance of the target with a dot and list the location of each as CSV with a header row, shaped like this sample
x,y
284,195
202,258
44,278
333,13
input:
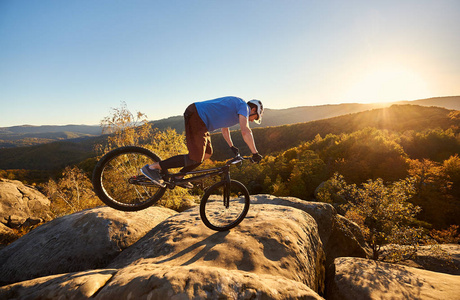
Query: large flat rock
x,y
357,278
275,240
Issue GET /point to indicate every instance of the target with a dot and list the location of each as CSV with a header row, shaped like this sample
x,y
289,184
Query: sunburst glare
x,y
388,84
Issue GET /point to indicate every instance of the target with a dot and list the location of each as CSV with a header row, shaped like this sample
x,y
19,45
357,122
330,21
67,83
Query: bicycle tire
x,y
111,175
213,212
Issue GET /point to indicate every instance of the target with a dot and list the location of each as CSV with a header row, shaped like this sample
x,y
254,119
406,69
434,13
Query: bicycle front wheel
x,y
116,179
224,206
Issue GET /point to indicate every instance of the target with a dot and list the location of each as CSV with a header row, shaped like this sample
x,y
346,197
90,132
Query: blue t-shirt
x,y
222,112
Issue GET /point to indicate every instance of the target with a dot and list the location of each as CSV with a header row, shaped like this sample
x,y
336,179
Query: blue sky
x,y
70,62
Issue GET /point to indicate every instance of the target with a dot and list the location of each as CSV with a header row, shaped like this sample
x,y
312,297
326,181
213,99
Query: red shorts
x,y
197,135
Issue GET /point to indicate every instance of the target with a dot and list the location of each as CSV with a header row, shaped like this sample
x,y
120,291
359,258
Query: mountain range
x,y
28,135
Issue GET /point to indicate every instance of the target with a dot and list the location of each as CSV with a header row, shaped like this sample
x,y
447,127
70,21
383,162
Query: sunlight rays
x,y
388,83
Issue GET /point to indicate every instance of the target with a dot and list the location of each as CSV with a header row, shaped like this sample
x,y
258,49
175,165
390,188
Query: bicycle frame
x,y
173,179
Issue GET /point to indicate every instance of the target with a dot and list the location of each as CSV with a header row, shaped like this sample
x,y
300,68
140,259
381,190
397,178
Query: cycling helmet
x,y
259,110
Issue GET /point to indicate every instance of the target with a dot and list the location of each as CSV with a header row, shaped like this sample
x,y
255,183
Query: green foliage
x,y
434,144
330,190
383,213
31,177
440,207
296,172
52,156
452,169
361,155
166,143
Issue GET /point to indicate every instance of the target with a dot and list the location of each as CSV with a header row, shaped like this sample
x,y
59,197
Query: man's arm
x,y
227,137
246,132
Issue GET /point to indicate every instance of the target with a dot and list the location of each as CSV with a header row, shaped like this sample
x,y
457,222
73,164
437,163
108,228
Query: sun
x,y
387,84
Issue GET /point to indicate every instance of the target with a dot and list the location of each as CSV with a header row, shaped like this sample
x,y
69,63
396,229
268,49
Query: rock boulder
x,y
89,239
358,278
159,282
340,236
21,204
273,240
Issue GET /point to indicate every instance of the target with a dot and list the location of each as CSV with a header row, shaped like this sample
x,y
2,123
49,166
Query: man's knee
x,y
190,162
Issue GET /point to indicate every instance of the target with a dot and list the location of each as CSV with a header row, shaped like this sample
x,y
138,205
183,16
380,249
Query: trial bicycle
x,y
118,182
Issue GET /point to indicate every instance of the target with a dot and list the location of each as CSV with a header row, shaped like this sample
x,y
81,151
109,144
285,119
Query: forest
x,y
402,160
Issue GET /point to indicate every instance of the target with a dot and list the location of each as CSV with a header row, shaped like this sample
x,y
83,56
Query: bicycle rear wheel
x,y
113,179
219,214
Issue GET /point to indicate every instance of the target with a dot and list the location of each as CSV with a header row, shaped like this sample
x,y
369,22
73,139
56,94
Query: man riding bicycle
x,y
201,118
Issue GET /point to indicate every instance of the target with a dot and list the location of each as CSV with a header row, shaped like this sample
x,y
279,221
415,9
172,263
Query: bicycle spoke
x,y
116,175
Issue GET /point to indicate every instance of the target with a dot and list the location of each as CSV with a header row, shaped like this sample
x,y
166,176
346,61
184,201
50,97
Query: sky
x,y
73,61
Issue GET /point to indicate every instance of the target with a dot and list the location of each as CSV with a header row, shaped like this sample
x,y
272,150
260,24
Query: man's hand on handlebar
x,y
235,150
256,157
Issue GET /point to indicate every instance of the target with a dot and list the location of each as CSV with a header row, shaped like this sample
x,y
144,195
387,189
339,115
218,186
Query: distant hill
x,y
50,156
29,129
277,117
452,102
27,135
301,114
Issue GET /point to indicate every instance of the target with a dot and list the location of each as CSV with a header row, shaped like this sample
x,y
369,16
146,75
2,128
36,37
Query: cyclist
x,y
201,118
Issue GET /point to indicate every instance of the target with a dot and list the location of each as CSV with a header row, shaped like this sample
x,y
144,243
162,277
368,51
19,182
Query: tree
x,y
71,193
433,144
296,184
452,169
124,128
384,215
358,156
450,235
433,193
279,187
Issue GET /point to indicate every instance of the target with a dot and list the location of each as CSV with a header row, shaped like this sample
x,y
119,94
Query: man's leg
x,y
198,144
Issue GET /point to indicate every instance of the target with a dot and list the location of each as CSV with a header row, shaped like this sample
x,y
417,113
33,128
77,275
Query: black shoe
x,y
153,175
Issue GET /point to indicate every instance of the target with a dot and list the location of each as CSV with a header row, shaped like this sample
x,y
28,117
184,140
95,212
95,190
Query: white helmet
x,y
259,110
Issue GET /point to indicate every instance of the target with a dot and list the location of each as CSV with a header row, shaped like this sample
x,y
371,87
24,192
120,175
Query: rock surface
x,y
275,240
443,258
89,239
280,251
82,285
340,237
5,229
20,203
159,282
357,278
149,281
